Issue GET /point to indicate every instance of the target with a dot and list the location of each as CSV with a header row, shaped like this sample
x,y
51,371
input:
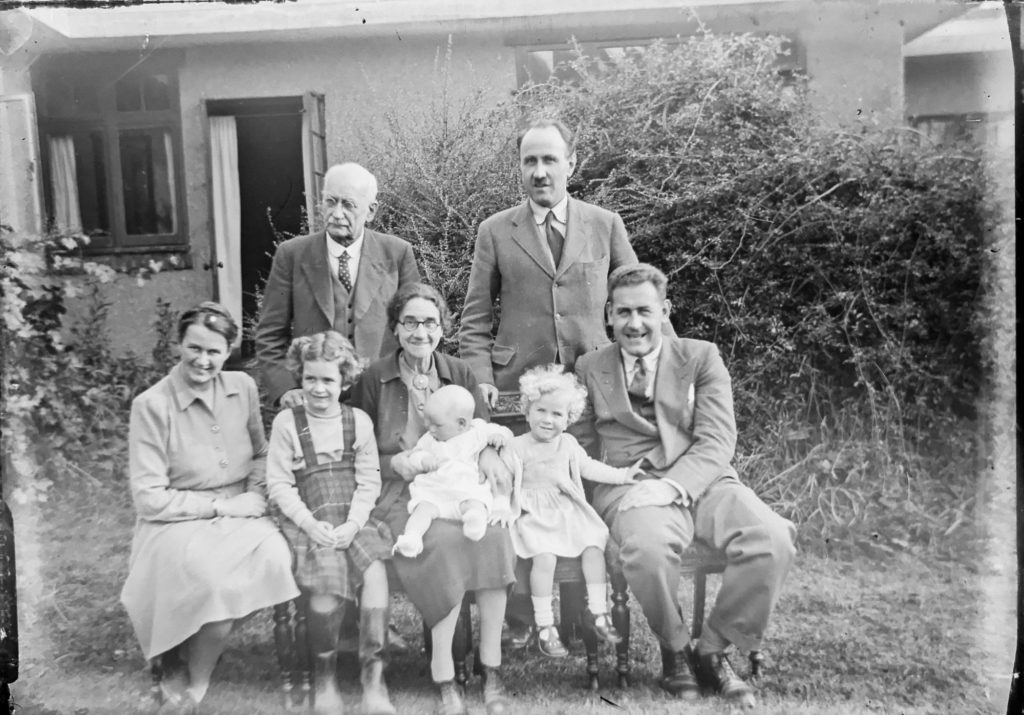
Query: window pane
x,y
92,183
68,96
129,94
156,92
147,170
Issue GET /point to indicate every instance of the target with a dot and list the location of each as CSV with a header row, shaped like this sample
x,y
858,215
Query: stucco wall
x,y
960,84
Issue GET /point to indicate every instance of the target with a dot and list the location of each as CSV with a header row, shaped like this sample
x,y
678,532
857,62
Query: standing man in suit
x,y
547,260
341,278
668,401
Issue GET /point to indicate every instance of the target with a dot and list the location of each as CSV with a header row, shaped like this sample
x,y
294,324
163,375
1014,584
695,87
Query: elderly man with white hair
x,y
341,278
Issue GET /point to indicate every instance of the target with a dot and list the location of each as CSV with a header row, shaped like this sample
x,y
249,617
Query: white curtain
x,y
227,213
66,212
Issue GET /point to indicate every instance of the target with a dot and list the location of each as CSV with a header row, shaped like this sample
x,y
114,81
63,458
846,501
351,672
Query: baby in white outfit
x,y
447,482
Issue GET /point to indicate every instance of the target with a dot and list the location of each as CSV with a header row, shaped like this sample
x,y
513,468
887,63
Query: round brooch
x,y
420,381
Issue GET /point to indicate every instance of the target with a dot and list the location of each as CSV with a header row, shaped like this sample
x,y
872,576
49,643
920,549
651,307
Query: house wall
x,y
852,52
959,84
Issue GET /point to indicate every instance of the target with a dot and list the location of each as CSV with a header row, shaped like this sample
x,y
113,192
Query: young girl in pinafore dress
x,y
556,519
323,473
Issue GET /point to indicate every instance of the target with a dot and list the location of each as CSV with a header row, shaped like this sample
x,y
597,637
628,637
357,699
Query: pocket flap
x,y
502,354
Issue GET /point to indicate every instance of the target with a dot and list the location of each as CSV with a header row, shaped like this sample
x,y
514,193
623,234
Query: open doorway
x,y
259,192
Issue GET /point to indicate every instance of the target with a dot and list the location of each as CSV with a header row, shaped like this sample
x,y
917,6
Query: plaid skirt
x,y
327,491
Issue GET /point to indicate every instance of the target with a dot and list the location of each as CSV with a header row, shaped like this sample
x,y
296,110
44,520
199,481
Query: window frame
x,y
101,72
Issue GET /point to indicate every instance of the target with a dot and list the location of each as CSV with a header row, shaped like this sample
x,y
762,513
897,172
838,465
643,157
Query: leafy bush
x,y
838,269
67,393
442,169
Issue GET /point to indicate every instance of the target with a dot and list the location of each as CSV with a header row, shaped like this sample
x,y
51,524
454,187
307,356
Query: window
x,y
995,129
538,64
111,150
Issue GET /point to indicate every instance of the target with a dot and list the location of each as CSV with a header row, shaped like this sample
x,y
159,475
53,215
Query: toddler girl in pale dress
x,y
556,519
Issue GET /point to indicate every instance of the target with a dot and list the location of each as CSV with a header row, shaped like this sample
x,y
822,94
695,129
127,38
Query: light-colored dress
x,y
555,517
458,478
187,448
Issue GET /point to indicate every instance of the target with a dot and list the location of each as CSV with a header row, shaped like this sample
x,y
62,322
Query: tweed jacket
x,y
695,435
298,300
545,312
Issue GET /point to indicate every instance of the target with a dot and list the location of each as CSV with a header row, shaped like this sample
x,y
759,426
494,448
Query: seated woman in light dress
x,y
204,554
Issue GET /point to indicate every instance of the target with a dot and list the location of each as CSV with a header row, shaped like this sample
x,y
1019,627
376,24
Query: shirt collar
x,y
541,212
185,394
650,359
335,249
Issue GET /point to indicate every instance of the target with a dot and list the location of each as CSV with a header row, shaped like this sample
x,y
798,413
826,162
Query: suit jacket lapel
x,y
576,232
318,274
526,236
371,265
673,399
612,385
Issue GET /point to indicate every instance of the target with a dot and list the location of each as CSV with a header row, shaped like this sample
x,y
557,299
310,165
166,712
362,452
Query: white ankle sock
x,y
597,598
543,615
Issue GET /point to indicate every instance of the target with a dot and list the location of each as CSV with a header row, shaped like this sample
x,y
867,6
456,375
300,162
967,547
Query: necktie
x,y
638,385
554,236
343,273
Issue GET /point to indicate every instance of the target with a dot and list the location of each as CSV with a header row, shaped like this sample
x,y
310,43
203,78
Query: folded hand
x,y
322,533
344,534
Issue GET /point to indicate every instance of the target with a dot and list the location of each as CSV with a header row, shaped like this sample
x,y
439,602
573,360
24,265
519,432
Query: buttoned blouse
x,y
188,447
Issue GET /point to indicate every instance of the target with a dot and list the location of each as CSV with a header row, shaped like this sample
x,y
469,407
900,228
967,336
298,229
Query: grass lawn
x,y
898,635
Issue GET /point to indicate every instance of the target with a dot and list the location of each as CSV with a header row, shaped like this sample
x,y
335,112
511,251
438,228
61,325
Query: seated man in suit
x,y
668,401
341,278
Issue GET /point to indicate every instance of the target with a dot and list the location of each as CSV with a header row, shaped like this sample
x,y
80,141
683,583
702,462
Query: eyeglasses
x,y
411,324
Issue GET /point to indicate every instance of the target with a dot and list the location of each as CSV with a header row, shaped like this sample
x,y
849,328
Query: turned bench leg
x,y
572,612
287,658
700,587
462,642
620,618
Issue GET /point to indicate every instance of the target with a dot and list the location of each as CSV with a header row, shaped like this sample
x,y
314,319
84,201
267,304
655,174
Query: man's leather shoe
x,y
549,643
518,635
677,678
715,675
603,627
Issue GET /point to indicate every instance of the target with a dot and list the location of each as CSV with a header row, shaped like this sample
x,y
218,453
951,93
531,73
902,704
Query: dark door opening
x,y
271,189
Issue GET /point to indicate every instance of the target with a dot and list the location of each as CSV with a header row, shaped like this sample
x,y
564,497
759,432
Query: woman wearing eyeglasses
x,y
393,391
203,554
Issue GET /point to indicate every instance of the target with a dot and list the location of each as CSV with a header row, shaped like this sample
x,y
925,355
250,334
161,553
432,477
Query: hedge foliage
x,y
839,269
830,265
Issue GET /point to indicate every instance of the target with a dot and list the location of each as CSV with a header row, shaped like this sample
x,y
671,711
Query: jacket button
x,y
223,462
215,428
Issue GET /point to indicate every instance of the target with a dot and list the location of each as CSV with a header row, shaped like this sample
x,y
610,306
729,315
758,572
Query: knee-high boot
x,y
373,627
323,637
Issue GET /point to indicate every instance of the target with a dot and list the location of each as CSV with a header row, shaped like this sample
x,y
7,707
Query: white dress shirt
x,y
354,251
540,213
650,361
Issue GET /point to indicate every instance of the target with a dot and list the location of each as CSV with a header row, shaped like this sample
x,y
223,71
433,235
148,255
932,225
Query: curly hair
x,y
546,379
328,346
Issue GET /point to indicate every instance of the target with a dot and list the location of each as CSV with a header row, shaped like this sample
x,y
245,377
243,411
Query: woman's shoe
x,y
549,643
451,699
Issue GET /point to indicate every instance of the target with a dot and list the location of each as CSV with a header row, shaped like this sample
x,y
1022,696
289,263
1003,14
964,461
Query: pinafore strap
x,y
348,426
